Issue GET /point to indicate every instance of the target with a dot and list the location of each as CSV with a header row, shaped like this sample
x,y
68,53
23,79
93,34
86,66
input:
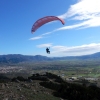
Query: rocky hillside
x,y
45,86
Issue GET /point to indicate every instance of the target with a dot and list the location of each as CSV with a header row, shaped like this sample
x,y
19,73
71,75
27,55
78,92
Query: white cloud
x,y
60,51
85,24
75,50
42,35
44,45
47,33
84,9
36,38
88,11
70,27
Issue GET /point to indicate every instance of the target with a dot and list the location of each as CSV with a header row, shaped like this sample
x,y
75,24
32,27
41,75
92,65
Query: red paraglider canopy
x,y
44,20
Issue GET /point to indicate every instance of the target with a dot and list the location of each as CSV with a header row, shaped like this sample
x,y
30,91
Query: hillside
x,y
46,86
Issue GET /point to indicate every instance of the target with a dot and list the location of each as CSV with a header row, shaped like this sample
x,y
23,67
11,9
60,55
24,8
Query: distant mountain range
x,y
17,58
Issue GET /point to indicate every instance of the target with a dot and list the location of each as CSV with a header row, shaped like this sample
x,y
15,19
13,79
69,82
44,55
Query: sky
x,y
79,36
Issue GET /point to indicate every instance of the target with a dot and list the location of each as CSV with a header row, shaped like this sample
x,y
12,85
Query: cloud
x,y
60,51
44,45
85,24
42,35
86,11
70,27
47,33
36,38
75,50
83,9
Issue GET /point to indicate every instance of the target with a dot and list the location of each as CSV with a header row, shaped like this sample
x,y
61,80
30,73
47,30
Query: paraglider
x,y
47,50
45,20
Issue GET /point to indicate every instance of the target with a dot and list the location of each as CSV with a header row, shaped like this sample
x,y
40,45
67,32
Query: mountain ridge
x,y
17,58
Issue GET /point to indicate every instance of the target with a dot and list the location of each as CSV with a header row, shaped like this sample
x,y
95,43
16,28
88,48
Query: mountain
x,y
94,56
17,58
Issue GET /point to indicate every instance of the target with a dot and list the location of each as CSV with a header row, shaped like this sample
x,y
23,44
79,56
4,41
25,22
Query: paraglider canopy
x,y
45,20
